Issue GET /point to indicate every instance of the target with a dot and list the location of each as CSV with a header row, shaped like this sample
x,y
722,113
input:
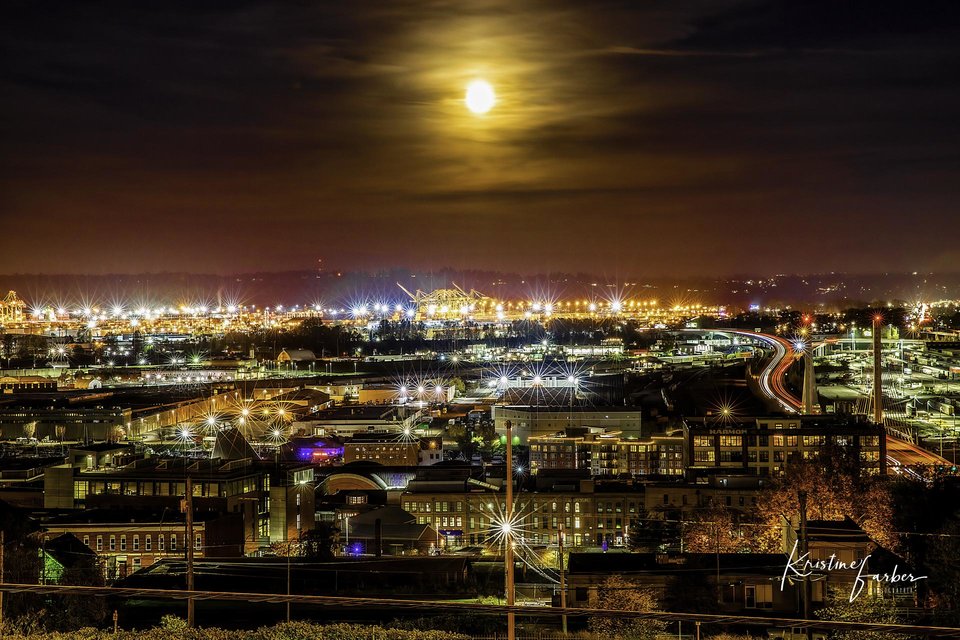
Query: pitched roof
x,y
69,551
299,354
231,445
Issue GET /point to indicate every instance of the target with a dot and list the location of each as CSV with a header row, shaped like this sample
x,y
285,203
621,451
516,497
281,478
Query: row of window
x,y
445,522
147,542
440,506
779,440
727,500
147,488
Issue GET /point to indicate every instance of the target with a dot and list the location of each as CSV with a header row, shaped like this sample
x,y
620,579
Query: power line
x,y
666,616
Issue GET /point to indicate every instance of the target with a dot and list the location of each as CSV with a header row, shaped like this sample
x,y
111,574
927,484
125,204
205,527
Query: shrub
x,y
175,628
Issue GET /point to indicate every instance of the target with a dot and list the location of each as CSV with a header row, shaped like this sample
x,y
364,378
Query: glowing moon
x,y
480,97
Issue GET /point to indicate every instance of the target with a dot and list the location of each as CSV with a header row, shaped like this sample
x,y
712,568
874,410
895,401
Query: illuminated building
x,y
766,446
275,503
11,308
392,449
128,540
533,420
448,304
606,454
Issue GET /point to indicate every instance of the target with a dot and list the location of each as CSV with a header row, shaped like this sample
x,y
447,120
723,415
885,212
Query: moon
x,y
480,97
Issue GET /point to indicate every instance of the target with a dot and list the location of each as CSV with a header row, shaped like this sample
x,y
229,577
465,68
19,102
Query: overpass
x,y
771,379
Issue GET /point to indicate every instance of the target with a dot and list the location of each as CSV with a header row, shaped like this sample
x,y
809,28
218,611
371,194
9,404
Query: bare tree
x,y
619,594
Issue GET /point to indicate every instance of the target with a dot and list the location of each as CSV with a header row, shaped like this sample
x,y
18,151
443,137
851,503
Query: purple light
x,y
319,453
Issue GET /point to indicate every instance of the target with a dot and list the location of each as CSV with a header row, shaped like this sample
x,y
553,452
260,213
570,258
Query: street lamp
x,y
297,488
508,531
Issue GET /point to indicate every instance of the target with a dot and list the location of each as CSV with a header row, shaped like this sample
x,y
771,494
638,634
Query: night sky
x,y
657,137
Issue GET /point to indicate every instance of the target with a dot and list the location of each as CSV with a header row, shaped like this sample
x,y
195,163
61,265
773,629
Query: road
x,y
900,454
906,454
772,377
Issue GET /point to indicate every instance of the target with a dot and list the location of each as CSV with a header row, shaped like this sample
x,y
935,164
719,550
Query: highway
x,y
900,454
772,376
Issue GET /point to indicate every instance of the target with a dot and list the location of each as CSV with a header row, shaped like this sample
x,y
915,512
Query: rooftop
x,y
356,412
128,516
769,564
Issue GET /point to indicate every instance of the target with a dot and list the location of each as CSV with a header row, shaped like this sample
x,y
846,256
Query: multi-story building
x,y
130,539
558,451
386,448
58,419
349,420
465,513
735,491
534,420
13,384
393,449
276,502
608,454
766,446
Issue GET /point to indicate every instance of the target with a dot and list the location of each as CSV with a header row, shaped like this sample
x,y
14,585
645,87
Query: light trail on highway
x,y
900,453
773,374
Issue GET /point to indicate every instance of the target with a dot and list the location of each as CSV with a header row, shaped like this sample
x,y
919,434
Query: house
x,y
841,548
67,560
393,530
730,583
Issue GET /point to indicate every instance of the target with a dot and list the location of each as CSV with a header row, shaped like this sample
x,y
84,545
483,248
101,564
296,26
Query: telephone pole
x,y
877,369
3,540
804,550
188,508
508,553
563,583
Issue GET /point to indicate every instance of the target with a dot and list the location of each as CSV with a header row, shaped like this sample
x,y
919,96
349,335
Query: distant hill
x,y
347,288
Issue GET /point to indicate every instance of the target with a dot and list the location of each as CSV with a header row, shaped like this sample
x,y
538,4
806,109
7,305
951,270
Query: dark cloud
x,y
638,137
811,24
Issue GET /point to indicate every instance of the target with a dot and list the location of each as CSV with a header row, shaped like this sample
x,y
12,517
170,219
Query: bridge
x,y
772,382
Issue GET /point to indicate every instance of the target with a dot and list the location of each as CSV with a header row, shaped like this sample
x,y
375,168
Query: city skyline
x,y
688,139
472,319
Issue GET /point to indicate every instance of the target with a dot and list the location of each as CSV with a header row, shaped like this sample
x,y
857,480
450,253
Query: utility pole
x,y
289,553
716,528
804,550
508,552
563,583
3,540
877,369
188,508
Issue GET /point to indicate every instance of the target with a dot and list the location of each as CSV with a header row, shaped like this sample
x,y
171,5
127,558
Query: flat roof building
x,y
537,420
765,446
